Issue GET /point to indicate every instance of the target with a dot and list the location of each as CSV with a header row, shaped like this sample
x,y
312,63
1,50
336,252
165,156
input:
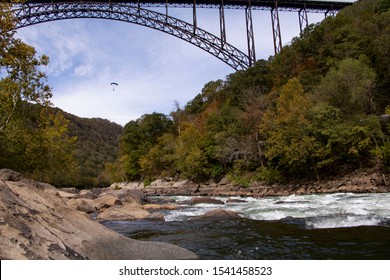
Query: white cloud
x,y
85,70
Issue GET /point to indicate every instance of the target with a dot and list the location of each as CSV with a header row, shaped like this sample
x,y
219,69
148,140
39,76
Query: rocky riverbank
x,y
38,221
133,201
360,181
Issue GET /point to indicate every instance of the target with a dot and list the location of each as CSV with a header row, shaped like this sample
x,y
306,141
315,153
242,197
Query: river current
x,y
326,226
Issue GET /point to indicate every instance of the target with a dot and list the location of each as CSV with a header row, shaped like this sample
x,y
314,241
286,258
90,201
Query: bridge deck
x,y
133,11
315,6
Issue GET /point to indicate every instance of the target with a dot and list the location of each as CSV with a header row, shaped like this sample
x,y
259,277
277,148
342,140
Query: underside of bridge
x,y
136,11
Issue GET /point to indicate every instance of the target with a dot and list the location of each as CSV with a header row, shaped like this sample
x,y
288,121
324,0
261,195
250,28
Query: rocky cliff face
x,y
37,223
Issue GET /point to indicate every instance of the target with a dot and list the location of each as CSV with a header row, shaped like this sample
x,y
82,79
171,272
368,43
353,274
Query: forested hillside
x,y
65,150
97,144
311,111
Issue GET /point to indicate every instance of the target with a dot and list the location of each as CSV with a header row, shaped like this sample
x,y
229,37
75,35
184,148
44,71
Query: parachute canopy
x,y
113,84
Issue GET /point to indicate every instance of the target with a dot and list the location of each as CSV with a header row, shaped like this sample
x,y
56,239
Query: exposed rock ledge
x,y
360,181
37,223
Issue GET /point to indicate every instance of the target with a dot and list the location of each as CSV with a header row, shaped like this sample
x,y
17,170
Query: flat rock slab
x,y
123,213
35,223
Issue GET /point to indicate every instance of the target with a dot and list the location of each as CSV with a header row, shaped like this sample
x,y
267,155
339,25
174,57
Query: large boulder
x,y
82,204
10,175
105,201
217,214
88,194
185,187
37,224
208,200
123,213
235,200
134,197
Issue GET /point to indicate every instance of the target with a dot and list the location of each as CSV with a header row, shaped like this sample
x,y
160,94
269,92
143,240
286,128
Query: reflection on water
x,y
249,239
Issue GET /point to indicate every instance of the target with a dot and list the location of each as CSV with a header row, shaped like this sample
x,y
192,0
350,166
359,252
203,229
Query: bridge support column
x,y
222,26
303,20
276,28
194,15
250,34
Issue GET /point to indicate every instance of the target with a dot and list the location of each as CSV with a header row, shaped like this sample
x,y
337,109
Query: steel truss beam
x,y
250,35
276,28
312,6
303,20
30,14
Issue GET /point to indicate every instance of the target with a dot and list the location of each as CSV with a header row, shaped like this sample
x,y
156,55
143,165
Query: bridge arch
x,y
31,14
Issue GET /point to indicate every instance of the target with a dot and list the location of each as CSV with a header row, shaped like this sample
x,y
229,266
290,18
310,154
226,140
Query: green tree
x,y
229,138
210,92
32,140
139,137
286,128
345,142
255,78
160,159
50,153
190,157
349,87
114,171
21,80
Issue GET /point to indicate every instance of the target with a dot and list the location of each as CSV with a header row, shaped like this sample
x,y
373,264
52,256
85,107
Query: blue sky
x,y
152,69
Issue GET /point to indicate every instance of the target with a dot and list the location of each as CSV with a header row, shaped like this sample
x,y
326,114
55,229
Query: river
x,y
328,226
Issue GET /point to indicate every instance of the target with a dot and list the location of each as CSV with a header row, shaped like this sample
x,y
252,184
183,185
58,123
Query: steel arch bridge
x,y
32,12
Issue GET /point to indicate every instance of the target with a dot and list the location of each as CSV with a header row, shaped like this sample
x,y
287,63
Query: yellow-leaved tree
x,y
33,139
286,128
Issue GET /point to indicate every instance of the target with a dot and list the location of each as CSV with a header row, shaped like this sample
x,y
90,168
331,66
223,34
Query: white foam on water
x,y
269,216
319,211
348,221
